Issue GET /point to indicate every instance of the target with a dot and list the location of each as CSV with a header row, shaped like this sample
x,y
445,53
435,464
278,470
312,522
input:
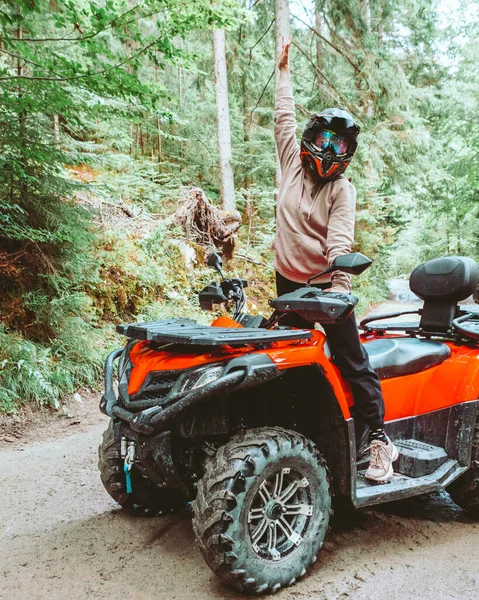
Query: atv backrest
x,y
442,283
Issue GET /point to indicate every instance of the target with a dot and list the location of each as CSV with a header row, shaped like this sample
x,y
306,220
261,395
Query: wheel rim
x,y
280,514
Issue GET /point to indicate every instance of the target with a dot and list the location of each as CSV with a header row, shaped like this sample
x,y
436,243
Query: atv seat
x,y
394,357
441,283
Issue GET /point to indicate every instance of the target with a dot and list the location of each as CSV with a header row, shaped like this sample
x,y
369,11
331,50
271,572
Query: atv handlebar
x,y
228,290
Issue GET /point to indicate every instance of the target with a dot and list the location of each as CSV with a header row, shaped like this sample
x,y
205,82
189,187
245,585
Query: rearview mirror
x,y
214,260
354,263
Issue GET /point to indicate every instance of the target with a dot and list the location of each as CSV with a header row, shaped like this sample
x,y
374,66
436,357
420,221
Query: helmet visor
x,y
338,143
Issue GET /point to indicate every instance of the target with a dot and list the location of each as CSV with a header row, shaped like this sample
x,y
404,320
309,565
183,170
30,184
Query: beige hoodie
x,y
313,225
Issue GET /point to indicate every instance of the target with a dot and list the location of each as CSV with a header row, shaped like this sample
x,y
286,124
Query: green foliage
x,y
76,79
31,372
108,108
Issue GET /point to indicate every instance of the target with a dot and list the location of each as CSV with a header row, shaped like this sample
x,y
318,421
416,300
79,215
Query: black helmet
x,y
328,156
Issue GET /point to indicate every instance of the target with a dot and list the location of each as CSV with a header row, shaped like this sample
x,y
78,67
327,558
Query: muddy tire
x,y
262,509
147,499
465,490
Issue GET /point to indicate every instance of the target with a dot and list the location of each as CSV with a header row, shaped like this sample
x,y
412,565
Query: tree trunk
x,y
158,128
227,190
21,122
366,10
56,129
141,140
380,26
180,111
246,122
319,43
282,30
246,114
21,118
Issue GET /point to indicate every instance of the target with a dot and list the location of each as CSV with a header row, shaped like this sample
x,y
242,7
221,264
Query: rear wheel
x,y
147,498
465,490
262,509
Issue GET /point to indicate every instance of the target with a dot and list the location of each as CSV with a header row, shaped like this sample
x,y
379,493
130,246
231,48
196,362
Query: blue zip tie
x,y
126,469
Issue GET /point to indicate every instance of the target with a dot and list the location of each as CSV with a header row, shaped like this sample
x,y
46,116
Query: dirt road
x,y
63,537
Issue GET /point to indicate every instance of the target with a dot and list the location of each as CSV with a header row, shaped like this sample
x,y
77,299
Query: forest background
x,y
108,119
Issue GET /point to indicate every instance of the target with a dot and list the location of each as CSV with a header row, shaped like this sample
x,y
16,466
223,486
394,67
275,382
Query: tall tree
x,y
227,190
319,41
93,67
282,31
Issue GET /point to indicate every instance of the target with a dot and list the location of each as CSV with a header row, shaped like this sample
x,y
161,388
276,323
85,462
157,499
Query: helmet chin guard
x,y
324,163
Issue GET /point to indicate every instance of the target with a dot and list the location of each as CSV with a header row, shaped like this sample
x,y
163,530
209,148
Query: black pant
x,y
349,356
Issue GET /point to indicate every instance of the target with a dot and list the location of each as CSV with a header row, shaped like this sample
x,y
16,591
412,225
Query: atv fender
x,y
239,373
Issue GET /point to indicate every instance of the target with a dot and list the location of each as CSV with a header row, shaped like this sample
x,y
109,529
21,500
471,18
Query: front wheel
x,y
262,509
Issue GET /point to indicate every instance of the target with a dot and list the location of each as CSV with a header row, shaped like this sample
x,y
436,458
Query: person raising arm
x,y
315,217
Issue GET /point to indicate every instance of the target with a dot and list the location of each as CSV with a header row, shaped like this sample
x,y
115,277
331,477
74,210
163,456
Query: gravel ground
x,y
62,536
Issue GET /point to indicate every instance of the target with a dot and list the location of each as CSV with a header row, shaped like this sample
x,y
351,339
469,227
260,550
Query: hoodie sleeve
x,y
340,236
285,126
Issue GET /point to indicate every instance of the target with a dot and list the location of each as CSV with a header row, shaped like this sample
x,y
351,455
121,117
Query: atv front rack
x,y
188,332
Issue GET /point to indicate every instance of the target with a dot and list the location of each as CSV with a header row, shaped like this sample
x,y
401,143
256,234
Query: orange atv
x,y
252,421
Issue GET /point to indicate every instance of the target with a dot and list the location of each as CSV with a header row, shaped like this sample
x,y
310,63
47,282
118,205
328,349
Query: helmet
x,y
328,143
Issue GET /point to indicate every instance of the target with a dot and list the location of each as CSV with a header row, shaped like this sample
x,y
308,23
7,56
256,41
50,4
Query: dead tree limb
x,y
205,224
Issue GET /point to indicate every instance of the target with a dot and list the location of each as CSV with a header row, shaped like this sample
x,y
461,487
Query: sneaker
x,y
382,456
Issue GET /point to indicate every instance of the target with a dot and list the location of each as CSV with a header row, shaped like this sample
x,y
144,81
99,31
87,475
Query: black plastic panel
x,y
408,327
315,305
188,332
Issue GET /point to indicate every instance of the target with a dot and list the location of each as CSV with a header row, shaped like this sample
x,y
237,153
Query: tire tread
x,y
210,521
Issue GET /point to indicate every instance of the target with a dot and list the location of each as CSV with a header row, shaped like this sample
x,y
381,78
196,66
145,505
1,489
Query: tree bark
x,y
21,121
227,191
246,123
319,43
56,129
21,117
282,30
366,10
246,114
158,129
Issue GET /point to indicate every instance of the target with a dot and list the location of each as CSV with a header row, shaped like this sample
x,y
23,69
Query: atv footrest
x,y
188,332
401,486
415,458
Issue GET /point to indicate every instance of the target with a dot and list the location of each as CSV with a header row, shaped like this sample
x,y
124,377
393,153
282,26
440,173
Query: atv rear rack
x,y
188,332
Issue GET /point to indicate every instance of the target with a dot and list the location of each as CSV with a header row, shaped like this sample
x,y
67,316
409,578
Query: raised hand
x,y
283,61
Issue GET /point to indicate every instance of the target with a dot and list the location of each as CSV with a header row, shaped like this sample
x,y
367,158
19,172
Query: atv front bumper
x,y
238,373
153,456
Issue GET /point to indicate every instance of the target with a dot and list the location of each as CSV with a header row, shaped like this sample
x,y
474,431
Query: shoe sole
x,y
389,474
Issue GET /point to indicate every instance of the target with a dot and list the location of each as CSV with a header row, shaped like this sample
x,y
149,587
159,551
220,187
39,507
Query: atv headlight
x,y
201,377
